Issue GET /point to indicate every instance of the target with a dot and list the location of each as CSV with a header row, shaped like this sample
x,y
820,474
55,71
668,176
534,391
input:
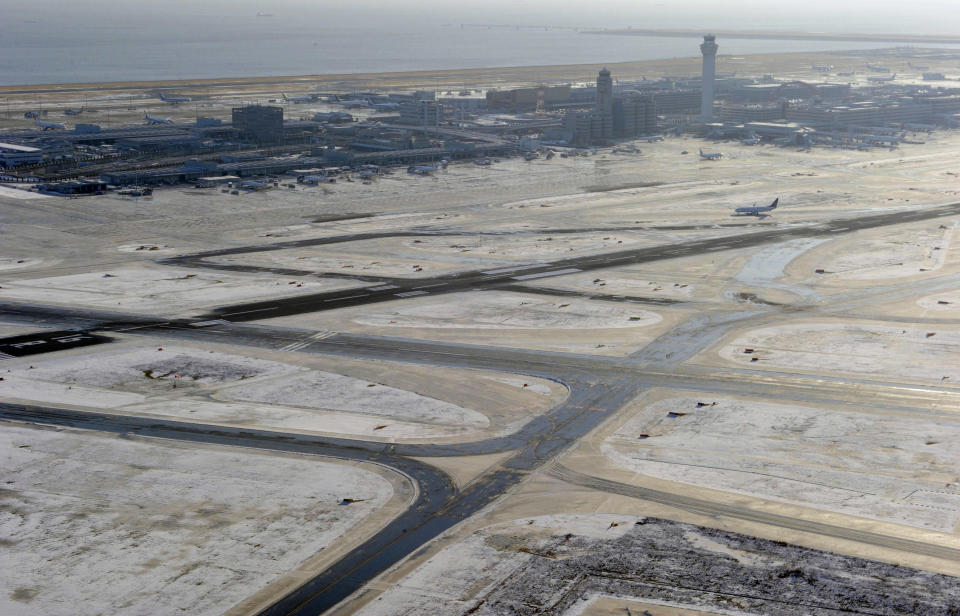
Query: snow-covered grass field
x,y
98,524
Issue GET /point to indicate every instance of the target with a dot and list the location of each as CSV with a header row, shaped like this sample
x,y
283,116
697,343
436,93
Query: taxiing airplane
x,y
823,68
750,141
422,169
890,78
49,125
150,120
73,112
174,100
757,210
710,155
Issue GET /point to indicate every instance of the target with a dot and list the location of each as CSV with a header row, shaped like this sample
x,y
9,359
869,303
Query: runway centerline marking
x,y
570,270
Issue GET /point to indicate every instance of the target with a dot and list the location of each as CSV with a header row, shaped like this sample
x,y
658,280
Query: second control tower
x,y
709,50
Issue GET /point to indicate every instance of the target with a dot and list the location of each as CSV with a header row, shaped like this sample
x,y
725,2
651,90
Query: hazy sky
x,y
849,15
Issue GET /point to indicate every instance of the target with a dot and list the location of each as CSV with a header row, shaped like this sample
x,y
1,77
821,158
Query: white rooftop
x,y
17,148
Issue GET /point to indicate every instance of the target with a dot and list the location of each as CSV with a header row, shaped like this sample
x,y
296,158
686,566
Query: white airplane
x,y
877,69
710,155
757,210
653,138
354,103
750,141
422,169
823,68
151,121
919,67
875,79
174,100
49,125
386,106
307,98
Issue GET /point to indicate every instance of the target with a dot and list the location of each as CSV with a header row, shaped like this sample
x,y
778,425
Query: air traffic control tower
x,y
709,50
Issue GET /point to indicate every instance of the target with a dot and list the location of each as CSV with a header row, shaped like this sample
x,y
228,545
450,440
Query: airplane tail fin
x,y
775,202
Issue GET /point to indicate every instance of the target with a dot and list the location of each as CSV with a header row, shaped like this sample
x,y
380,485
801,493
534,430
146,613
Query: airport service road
x,y
713,509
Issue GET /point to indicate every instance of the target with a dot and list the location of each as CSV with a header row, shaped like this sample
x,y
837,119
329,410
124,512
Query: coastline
x,y
460,78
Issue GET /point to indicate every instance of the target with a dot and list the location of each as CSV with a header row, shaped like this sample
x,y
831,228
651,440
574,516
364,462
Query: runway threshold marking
x,y
570,270
428,286
323,334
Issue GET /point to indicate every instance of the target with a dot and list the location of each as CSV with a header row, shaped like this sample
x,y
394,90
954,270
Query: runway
x,y
389,289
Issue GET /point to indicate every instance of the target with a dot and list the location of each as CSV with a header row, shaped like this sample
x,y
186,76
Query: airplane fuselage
x,y
757,210
157,120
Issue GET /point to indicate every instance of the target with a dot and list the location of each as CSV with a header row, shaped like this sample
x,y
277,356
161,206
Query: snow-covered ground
x,y
876,465
143,369
948,301
99,524
161,290
13,263
451,581
325,390
525,246
213,387
877,255
334,259
880,351
502,310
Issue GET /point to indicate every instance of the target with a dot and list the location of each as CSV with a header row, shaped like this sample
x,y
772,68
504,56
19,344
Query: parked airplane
x,y
386,106
174,100
49,125
307,98
890,78
422,169
757,210
710,155
751,141
73,112
150,120
353,103
652,138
